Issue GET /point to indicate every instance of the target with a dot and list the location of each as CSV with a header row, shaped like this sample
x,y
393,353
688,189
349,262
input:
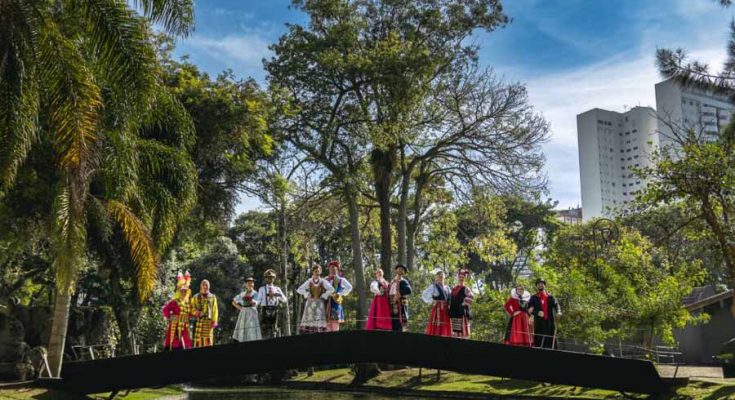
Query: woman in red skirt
x,y
437,294
379,316
518,332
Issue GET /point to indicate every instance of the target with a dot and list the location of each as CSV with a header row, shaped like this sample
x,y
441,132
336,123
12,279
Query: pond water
x,y
276,393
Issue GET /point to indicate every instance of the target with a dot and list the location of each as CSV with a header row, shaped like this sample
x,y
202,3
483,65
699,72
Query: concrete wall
x,y
701,342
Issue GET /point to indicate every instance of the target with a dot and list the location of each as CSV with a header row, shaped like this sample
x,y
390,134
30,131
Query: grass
x,y
707,389
407,379
44,394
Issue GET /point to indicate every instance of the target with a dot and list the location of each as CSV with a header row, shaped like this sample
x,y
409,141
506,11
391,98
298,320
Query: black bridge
x,y
410,349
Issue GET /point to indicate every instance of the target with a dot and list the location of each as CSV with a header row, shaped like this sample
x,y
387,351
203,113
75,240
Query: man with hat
x,y
270,297
399,289
335,313
542,306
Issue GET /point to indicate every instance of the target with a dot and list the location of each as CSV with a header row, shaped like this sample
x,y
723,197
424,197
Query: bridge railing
x,y
418,324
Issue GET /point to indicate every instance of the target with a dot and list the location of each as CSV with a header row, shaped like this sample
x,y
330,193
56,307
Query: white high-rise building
x,y
690,108
611,144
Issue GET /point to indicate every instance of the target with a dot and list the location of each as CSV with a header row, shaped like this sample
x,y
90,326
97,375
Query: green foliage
x,y
226,271
230,133
617,289
691,175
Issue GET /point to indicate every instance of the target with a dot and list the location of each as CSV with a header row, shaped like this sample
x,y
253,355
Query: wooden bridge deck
x,y
410,349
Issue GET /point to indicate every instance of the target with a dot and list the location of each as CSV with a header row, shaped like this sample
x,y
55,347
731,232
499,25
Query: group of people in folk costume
x,y
389,306
183,311
531,317
450,311
199,313
323,311
539,331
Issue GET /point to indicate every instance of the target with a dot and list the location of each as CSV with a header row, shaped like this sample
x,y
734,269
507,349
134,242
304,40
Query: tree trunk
x,y
122,310
360,286
382,163
401,240
59,324
283,249
413,226
727,248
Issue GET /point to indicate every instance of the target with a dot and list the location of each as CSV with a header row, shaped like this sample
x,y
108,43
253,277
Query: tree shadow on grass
x,y
725,392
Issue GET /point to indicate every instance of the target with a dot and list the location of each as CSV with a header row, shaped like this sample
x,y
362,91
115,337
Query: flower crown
x,y
183,281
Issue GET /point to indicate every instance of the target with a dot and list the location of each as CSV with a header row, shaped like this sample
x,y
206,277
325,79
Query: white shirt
x,y
304,288
345,286
428,295
240,298
277,298
375,287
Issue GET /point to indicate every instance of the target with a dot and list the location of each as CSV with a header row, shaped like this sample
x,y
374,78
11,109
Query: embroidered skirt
x,y
247,327
314,318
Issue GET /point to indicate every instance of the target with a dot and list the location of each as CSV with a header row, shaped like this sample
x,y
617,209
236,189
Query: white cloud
x,y
241,53
615,84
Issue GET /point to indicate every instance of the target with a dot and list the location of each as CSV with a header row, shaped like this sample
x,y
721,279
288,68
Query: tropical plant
x,y
80,78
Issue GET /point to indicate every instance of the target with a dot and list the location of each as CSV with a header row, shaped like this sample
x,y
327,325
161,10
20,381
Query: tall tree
x,y
691,172
476,132
73,73
380,58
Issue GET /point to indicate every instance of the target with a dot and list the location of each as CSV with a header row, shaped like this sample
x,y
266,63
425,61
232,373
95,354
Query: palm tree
x,y
80,76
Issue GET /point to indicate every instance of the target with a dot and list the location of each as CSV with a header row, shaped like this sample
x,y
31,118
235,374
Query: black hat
x,y
400,266
249,279
540,280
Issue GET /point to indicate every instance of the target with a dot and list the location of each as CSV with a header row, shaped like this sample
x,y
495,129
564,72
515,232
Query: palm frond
x,y
73,99
176,16
19,92
169,122
68,240
117,176
124,55
168,179
140,244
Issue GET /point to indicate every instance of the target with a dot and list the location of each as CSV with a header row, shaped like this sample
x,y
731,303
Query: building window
x,y
629,158
634,148
634,157
635,130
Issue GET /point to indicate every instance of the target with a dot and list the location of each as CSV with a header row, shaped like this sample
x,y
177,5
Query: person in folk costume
x,y
247,327
177,312
398,290
270,297
206,315
518,332
542,306
342,287
316,290
437,294
459,306
379,315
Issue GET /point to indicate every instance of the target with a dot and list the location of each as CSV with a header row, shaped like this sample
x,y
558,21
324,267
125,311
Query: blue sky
x,y
573,55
